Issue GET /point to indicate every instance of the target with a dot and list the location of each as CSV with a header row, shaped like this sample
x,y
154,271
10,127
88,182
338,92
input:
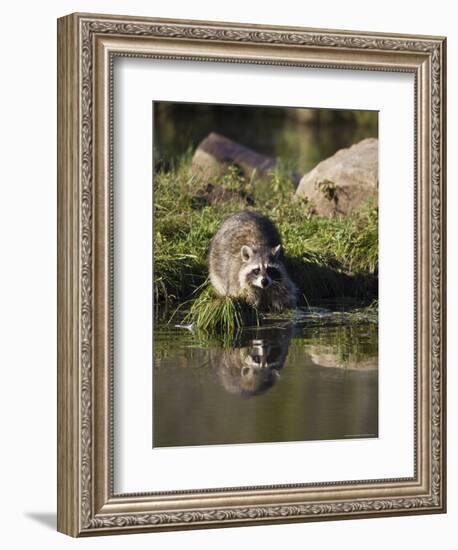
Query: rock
x,y
216,153
342,183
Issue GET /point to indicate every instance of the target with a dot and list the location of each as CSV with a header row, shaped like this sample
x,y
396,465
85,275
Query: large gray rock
x,y
344,182
216,153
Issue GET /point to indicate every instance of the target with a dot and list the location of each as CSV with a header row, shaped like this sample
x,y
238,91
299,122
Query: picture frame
x,y
87,46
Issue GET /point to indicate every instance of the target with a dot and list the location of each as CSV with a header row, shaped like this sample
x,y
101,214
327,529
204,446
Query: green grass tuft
x,y
220,314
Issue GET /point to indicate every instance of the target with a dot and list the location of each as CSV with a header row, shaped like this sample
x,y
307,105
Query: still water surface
x,y
284,382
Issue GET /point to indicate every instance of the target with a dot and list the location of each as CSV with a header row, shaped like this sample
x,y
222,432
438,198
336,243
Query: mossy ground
x,y
327,258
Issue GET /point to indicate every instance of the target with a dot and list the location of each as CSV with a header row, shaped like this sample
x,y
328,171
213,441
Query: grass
x,y
326,257
212,313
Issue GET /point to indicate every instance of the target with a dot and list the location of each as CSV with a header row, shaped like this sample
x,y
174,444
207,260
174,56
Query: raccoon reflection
x,y
246,260
253,368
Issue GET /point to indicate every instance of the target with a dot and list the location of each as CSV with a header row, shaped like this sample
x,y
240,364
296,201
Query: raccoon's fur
x,y
250,370
253,366
246,261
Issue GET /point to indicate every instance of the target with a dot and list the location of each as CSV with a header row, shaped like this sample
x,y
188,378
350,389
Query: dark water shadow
x,y
48,519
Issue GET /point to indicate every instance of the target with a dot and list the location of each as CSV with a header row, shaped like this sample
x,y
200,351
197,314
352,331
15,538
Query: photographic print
x,y
219,250
265,274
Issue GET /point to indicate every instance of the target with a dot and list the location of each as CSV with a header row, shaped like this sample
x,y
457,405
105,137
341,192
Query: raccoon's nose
x,y
264,282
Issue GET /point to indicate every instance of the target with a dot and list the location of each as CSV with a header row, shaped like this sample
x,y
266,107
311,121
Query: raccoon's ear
x,y
276,251
246,252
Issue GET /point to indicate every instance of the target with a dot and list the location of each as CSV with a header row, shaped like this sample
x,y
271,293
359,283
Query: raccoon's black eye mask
x,y
273,273
256,271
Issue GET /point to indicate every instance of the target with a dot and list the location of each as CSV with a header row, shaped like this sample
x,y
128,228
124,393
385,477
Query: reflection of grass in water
x,y
325,256
349,343
352,335
346,343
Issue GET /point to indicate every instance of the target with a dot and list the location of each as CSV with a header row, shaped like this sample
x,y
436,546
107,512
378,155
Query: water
x,y
299,137
285,382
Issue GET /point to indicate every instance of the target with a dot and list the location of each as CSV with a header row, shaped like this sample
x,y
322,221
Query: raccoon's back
x,y
244,228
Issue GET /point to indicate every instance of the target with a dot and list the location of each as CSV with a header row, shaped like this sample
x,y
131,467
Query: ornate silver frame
x,y
87,44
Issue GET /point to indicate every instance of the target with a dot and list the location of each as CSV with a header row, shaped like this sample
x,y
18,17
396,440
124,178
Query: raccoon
x,y
254,366
247,371
246,261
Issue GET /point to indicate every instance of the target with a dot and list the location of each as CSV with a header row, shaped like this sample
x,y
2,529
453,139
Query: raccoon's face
x,y
254,367
263,354
261,267
256,356
250,370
